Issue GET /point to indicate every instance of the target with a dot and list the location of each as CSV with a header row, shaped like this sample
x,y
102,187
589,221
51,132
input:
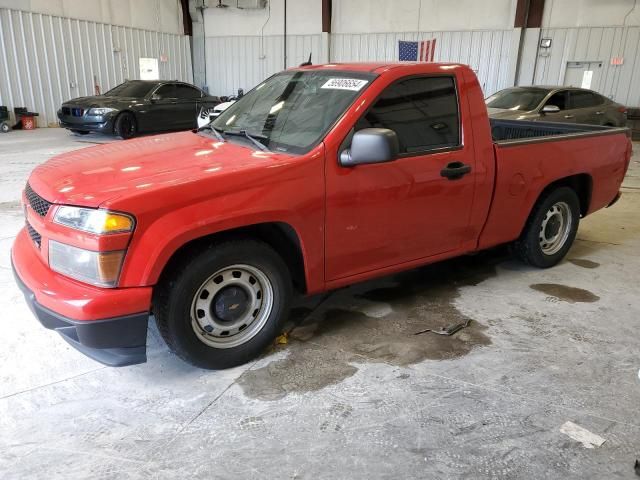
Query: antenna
x,y
308,62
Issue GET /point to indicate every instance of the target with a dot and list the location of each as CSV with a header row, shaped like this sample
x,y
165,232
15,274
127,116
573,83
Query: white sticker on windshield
x,y
353,84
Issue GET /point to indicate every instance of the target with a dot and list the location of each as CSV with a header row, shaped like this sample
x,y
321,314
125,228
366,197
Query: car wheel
x,y
125,126
4,127
551,228
223,307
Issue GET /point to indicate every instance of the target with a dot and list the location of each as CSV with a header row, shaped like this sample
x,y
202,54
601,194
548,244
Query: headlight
x,y
97,268
90,220
98,112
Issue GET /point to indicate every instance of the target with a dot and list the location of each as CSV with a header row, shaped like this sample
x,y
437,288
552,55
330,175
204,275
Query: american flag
x,y
422,51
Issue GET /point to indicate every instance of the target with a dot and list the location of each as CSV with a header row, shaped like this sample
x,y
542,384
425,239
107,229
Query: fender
x,y
159,234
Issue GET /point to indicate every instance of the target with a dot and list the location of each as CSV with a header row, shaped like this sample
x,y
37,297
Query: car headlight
x,y
100,222
98,112
101,269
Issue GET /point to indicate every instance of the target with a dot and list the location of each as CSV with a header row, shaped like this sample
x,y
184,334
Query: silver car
x,y
556,104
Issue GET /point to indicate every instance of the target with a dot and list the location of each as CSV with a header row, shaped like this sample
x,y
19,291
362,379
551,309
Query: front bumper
x,y
108,325
102,124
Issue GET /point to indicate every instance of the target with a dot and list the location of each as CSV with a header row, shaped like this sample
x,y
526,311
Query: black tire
x,y
79,132
529,247
5,127
175,307
125,126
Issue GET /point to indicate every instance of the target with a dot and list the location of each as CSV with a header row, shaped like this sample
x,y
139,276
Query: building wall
x,y
383,16
245,46
157,15
590,13
593,31
491,53
47,59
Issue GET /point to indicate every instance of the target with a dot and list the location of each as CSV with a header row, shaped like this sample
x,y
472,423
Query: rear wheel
x,y
4,127
223,307
551,228
125,126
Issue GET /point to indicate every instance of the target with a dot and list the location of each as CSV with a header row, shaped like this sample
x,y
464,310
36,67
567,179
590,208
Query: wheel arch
x,y
280,236
581,183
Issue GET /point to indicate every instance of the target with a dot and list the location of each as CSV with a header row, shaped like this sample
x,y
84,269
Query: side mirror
x,y
155,97
550,109
371,145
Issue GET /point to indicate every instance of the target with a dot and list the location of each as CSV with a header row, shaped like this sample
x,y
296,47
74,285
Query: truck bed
x,y
520,131
531,155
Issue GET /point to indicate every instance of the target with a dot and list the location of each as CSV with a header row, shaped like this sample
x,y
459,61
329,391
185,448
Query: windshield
x,y
517,99
291,111
131,89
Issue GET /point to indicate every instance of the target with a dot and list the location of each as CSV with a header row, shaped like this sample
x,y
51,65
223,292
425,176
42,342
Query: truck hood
x,y
91,176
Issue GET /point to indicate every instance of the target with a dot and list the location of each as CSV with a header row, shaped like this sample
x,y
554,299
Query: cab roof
x,y
380,67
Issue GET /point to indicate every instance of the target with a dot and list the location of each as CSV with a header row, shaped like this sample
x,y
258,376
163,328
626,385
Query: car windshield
x,y
517,99
291,111
131,89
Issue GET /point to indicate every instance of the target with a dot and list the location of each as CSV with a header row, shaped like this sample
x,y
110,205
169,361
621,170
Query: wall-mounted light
x,y
545,43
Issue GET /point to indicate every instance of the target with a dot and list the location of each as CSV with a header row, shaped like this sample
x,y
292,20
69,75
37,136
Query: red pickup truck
x,y
320,177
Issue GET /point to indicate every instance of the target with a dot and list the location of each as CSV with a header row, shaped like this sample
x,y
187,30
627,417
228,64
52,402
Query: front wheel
x,y
551,229
125,126
223,307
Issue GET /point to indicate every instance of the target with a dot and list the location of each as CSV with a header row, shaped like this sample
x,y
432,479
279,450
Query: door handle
x,y
569,116
455,170
599,113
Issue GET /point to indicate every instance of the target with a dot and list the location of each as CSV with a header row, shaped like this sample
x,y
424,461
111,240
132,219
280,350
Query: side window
x,y
185,91
585,99
423,111
559,99
167,91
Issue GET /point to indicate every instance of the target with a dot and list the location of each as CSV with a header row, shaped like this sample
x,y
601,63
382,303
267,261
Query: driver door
x,y
385,214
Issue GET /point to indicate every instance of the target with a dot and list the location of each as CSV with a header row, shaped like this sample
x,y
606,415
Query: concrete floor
x,y
354,394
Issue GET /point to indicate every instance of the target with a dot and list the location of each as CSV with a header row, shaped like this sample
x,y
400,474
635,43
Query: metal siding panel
x,y
625,78
42,55
6,93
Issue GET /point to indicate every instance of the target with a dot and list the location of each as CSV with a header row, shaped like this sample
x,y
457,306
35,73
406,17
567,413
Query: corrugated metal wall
x,y
596,44
45,60
244,61
491,53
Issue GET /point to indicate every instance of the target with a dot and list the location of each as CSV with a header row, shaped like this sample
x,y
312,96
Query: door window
x,y
559,99
186,91
585,99
423,111
167,91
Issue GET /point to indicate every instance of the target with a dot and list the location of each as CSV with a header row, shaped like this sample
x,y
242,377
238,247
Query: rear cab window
x,y
422,111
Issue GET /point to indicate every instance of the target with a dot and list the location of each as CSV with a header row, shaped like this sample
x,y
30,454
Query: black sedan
x,y
137,106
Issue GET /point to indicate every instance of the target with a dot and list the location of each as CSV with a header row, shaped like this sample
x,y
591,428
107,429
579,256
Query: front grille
x,y
77,112
35,236
39,204
66,111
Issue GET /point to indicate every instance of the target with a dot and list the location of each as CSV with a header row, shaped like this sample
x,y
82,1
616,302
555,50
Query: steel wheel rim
x,y
555,228
231,306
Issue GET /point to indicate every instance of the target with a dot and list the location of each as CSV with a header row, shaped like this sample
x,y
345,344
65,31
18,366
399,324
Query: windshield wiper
x,y
216,132
255,139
